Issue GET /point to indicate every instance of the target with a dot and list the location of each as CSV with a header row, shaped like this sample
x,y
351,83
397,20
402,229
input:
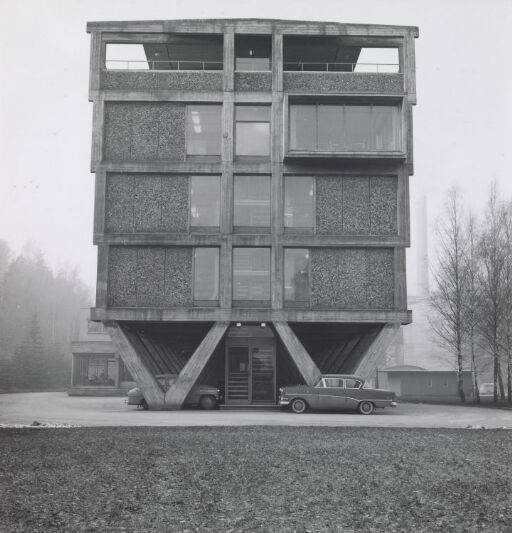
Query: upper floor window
x,y
204,201
252,130
312,53
344,128
252,202
253,52
296,276
299,200
179,52
206,274
251,274
204,129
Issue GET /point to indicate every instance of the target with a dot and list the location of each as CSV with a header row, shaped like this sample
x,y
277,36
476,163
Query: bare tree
x,y
492,251
450,279
507,311
471,300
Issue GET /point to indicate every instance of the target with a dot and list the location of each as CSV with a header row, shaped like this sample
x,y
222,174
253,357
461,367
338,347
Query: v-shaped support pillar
x,y
180,388
305,365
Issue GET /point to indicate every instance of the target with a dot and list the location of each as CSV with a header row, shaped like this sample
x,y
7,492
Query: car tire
x,y
144,404
208,402
299,406
366,408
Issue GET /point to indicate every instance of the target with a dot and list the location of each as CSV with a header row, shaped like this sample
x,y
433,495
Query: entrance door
x,y
250,372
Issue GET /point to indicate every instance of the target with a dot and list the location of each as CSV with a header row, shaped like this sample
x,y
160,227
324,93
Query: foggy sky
x,y
461,123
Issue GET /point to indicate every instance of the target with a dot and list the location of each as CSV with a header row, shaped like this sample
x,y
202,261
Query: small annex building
x,y
414,383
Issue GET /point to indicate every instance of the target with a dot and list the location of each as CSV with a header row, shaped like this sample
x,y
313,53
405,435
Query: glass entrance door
x,y
250,373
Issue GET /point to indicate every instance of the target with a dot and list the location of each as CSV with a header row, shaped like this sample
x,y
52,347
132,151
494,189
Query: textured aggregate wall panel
x,y
352,278
122,277
176,81
343,82
150,276
383,205
356,208
146,203
178,277
144,131
380,284
253,81
329,203
356,205
119,204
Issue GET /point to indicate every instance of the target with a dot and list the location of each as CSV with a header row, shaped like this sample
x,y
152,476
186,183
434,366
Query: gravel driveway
x,y
59,408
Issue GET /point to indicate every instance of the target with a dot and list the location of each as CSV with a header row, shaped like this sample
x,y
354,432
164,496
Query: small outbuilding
x,y
414,383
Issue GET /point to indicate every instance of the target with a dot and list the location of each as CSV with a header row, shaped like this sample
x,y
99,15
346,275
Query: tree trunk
x,y
473,368
460,382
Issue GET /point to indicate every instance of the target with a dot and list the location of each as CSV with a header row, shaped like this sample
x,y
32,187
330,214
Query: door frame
x,y
250,343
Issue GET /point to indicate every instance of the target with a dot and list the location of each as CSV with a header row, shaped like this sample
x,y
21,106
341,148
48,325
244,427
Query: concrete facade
x,y
146,118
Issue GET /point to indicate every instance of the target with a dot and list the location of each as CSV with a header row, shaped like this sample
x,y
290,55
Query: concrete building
x,y
252,204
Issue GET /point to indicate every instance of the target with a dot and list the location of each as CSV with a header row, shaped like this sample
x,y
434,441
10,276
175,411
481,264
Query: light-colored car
x,y
335,391
486,390
204,396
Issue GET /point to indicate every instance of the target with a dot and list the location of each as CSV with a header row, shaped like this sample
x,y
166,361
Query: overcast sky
x,y
461,123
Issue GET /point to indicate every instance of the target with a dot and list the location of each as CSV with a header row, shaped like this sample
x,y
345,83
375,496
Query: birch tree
x,y
450,283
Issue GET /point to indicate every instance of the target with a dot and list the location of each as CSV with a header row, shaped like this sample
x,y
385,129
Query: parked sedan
x,y
204,396
336,392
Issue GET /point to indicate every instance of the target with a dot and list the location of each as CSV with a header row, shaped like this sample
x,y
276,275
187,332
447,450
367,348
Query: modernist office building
x,y
252,205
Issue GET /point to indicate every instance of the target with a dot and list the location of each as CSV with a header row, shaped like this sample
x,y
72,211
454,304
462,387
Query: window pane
x,y
252,113
251,274
357,128
252,201
252,138
330,128
205,201
385,128
303,131
298,202
206,274
296,275
203,129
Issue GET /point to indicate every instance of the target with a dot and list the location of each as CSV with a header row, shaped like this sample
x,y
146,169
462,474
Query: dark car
x,y
334,391
204,396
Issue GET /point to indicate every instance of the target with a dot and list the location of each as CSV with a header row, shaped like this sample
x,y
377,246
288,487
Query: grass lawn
x,y
255,479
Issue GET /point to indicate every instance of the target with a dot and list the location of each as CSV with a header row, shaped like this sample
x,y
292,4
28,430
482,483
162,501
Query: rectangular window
x,y
204,129
296,275
344,128
299,200
251,274
252,130
206,274
204,201
252,202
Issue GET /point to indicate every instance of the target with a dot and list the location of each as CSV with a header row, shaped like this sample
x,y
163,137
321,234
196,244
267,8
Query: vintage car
x,y
204,396
336,392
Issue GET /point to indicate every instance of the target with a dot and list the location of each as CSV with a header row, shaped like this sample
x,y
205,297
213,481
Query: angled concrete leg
x,y
306,366
180,388
376,353
151,390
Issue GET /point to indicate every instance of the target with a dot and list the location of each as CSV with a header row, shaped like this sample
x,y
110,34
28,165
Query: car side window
x,y
332,382
352,384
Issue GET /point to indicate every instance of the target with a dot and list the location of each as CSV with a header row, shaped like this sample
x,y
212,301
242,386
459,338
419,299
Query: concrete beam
x,y
305,365
151,390
181,387
376,353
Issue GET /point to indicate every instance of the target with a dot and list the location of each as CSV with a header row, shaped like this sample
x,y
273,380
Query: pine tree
x,y
29,368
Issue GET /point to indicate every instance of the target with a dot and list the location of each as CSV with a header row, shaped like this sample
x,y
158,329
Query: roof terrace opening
x,y
253,52
178,52
333,54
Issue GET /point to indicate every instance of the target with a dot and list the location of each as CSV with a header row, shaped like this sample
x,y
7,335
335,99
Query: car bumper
x,y
392,404
283,401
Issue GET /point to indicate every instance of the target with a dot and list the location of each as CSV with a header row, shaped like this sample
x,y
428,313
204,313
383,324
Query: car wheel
x,y
299,406
208,402
144,404
366,408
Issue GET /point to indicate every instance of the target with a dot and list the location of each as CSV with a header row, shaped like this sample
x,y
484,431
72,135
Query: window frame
x,y
296,303
202,157
299,229
253,229
205,303
318,100
235,124
251,303
203,229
